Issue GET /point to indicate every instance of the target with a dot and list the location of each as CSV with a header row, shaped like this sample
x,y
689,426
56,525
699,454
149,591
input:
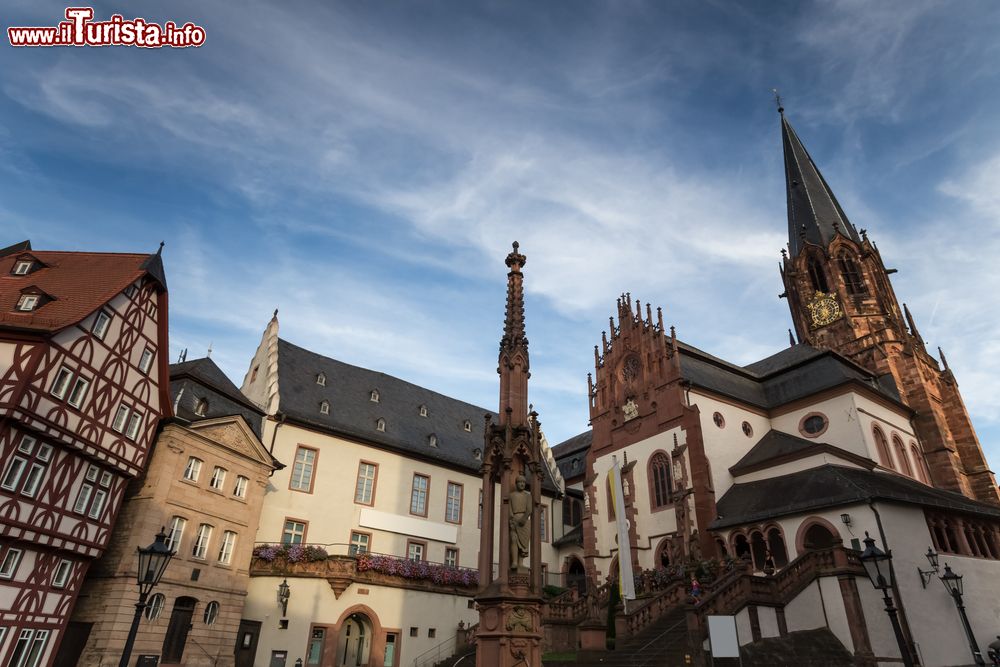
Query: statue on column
x,y
520,523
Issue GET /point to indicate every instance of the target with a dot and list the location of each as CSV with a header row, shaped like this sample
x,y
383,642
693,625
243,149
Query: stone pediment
x,y
234,434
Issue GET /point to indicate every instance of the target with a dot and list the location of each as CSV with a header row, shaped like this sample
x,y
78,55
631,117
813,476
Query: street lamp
x,y
953,583
152,563
925,575
879,571
284,592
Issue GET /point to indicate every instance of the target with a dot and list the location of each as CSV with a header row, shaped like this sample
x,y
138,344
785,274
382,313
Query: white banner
x,y
626,581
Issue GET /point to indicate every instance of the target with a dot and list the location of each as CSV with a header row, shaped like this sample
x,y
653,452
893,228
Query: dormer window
x,y
374,397
321,380
324,408
380,425
22,267
27,302
467,425
423,410
101,324
432,440
477,454
201,407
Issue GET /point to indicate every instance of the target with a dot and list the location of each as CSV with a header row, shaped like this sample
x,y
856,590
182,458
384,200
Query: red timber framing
x,y
64,461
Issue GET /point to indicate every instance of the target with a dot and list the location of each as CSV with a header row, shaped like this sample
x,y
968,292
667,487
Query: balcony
x,y
342,565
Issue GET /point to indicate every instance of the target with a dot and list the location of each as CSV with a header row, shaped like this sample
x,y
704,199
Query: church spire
x,y
513,361
814,215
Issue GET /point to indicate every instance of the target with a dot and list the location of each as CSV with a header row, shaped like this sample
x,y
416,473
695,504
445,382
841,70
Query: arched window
x,y
422,410
882,445
817,536
758,549
432,440
211,613
324,408
741,547
919,464
380,424
662,554
201,407
321,379
853,281
817,275
659,480
374,396
904,461
776,545
155,606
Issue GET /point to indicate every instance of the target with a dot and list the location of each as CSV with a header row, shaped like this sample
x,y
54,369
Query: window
x,y
227,546
453,504
451,556
431,633
882,446
302,470
134,422
324,408
294,532
423,410
418,495
374,396
61,382
380,425
817,276
414,632
23,267
719,420
904,462
241,487
27,302
192,470
543,522
201,407
659,480
813,425
359,543
467,425
415,550
120,418
211,613
218,478
9,563
852,277
61,576
200,549
364,492
29,648
12,476
747,429
146,360
79,392
321,380
155,607
83,499
26,470
106,478
100,496
176,533
101,324
33,480
919,464
432,440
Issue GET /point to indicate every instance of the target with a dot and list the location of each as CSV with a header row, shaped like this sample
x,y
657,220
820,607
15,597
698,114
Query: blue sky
x,y
364,166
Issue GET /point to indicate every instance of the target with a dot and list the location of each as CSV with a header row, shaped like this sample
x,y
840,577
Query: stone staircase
x,y
663,643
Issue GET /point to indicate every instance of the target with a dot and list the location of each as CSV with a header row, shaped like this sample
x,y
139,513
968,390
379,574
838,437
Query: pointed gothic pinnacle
x,y
791,338
649,315
673,337
597,359
604,340
659,317
638,310
275,316
944,359
913,327
864,234
611,322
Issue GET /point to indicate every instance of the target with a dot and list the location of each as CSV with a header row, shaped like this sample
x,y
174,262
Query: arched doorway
x,y
819,536
354,642
177,630
576,576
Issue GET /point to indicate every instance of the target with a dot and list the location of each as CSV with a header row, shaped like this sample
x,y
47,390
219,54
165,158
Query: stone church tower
x,y
841,298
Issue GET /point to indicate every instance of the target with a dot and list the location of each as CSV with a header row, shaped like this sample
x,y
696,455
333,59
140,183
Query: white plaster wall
x,y
805,611
726,446
6,356
743,631
836,615
652,526
892,423
795,466
768,620
843,430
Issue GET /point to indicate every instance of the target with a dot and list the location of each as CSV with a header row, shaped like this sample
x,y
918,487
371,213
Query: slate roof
x,y
78,282
830,486
202,378
775,445
572,450
793,373
353,414
813,211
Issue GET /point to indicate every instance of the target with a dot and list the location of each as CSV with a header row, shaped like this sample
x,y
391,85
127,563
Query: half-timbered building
x,y
83,342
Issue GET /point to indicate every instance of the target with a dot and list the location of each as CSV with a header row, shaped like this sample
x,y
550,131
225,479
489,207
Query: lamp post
x,y
953,583
876,564
284,592
152,563
925,575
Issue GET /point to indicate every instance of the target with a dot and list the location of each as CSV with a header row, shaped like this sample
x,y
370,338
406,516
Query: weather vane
x,y
777,100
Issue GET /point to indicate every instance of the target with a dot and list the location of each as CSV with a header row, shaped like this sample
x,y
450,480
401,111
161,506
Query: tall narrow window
x,y
146,361
83,499
418,495
155,606
364,491
321,379
218,478
453,504
201,407
904,461
120,418
882,446
61,576
192,470
241,486
200,548
659,480
302,470
415,550
134,423
176,533
79,392
451,556
9,563
294,532
101,324
226,547
97,506
61,382
211,613
852,277
919,464
817,275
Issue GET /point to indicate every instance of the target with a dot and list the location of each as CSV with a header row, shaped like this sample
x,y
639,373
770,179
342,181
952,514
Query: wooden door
x,y
177,630
246,642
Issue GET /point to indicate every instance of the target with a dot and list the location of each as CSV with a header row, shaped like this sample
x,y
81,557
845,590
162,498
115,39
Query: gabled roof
x,y
779,447
353,414
832,486
573,451
78,282
814,214
208,373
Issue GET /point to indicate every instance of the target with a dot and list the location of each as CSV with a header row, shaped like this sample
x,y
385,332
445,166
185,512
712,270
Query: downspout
x,y
280,420
904,621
